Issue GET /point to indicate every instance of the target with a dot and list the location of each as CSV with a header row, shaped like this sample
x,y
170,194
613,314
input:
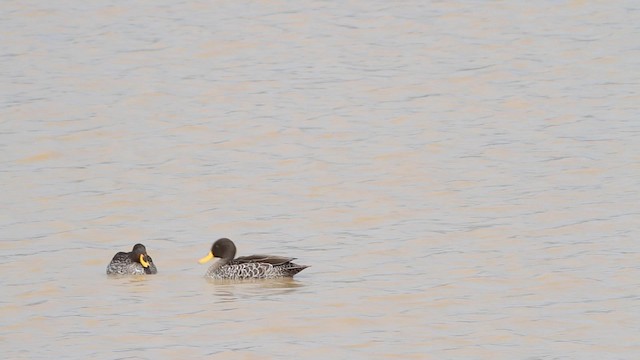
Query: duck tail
x,y
293,269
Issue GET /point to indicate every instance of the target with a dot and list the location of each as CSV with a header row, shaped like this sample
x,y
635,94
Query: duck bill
x,y
143,261
206,258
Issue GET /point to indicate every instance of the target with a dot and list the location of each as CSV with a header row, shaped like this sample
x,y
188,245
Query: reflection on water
x,y
277,283
461,177
252,290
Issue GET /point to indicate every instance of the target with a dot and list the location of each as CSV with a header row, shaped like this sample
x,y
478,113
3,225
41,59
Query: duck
x,y
136,262
247,267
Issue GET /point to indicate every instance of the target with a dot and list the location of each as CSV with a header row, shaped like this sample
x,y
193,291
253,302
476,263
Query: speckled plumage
x,y
252,270
249,267
124,263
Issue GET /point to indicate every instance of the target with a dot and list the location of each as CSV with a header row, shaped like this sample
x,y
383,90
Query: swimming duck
x,y
136,262
247,267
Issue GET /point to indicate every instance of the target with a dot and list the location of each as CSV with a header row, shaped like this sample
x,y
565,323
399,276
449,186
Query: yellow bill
x,y
206,258
143,261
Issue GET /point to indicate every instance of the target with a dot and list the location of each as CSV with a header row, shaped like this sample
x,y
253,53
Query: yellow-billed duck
x,y
247,267
136,262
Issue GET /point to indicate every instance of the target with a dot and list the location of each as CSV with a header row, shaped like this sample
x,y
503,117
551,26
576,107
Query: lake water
x,y
462,177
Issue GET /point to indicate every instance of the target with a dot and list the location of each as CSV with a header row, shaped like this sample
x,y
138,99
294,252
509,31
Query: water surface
x,y
462,178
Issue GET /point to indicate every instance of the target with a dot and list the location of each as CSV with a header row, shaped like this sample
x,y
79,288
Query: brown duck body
x,y
248,267
135,262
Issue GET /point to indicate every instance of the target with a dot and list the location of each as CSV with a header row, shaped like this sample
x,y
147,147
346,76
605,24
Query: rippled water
x,y
462,178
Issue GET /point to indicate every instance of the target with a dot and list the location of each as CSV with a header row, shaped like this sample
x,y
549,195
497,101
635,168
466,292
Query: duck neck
x,y
216,265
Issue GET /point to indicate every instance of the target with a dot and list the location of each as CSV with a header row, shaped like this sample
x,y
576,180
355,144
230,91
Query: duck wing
x,y
265,259
121,257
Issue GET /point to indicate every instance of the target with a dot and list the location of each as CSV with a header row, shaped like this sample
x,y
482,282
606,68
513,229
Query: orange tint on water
x,y
462,178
